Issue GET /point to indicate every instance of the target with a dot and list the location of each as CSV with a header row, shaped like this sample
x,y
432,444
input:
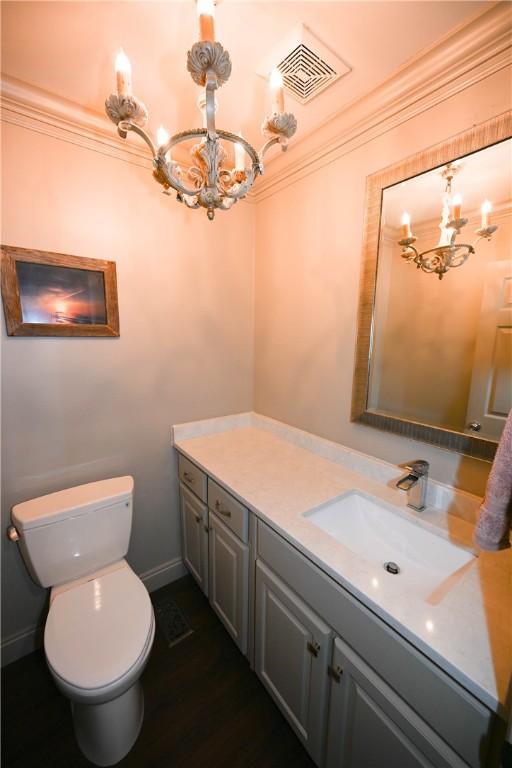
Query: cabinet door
x,y
292,650
228,582
370,726
194,531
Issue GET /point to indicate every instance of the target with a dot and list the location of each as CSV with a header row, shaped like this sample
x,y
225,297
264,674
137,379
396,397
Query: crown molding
x,y
37,110
470,54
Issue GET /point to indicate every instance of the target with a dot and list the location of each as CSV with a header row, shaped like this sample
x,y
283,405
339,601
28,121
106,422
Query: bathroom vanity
x,y
366,665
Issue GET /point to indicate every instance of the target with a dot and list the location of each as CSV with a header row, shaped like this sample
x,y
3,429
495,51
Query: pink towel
x,y
492,529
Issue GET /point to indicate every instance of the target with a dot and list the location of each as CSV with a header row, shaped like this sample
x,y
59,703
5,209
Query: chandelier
x,y
448,253
208,182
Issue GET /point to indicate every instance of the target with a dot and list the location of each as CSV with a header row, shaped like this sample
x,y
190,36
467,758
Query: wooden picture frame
x,y
484,135
36,299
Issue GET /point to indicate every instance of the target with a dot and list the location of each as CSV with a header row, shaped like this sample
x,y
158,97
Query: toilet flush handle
x,y
12,533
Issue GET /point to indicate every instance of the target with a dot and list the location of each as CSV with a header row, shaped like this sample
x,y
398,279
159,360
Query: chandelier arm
x,y
183,199
439,251
211,87
444,258
484,233
227,204
180,188
126,125
270,143
410,253
242,187
164,176
236,139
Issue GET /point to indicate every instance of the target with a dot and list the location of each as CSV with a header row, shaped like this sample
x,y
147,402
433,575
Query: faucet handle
x,y
419,467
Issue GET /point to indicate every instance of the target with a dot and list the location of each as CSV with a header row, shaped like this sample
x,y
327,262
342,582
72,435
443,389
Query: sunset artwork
x,y
63,295
57,294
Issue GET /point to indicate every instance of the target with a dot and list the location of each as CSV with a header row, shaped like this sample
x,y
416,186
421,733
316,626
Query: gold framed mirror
x,y
434,342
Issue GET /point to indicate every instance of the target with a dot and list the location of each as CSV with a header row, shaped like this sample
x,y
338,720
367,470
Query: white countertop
x,y
465,627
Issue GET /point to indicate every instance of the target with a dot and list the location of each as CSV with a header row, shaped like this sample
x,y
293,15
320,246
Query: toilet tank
x,y
72,533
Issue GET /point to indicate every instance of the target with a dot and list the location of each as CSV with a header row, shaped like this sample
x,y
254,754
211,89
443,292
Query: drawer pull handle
x,y
335,673
220,510
198,518
188,477
313,648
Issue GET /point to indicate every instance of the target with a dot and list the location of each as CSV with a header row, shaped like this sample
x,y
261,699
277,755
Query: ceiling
x,y
68,49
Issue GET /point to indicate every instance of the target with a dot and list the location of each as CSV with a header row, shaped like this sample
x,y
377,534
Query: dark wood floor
x,y
204,706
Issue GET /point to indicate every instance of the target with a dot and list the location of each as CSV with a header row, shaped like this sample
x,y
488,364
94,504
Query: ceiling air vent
x,y
306,64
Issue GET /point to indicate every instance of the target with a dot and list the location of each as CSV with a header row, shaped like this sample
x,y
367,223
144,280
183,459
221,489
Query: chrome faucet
x,y
415,483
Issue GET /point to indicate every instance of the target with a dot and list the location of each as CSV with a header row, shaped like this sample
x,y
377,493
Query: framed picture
x,y
52,294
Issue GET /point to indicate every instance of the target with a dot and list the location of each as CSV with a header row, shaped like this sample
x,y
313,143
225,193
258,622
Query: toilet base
x,y
106,732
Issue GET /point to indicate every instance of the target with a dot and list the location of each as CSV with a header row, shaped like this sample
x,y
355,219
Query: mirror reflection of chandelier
x,y
207,182
448,253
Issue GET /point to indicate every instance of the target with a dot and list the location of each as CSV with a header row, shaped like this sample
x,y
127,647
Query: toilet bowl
x,y
97,640
100,625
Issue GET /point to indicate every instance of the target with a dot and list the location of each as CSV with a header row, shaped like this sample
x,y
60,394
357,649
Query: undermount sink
x,y
385,538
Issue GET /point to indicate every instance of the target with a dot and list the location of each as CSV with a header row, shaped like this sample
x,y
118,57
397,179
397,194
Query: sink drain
x,y
391,567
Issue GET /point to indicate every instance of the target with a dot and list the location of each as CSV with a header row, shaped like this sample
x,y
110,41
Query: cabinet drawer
x,y
460,719
192,477
231,512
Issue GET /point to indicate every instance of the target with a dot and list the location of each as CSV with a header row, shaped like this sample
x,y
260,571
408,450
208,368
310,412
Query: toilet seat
x,y
98,635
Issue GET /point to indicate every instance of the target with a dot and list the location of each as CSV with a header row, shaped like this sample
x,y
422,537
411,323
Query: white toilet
x,y
100,624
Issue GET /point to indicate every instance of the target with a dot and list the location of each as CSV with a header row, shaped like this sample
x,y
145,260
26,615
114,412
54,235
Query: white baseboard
x,y
22,643
163,574
28,640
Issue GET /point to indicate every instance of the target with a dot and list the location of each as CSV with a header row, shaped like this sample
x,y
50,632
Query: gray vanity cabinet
x,y
356,693
390,707
228,580
194,532
215,543
292,649
368,720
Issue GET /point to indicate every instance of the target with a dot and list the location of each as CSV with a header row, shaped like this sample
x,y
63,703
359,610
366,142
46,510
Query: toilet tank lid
x,y
72,501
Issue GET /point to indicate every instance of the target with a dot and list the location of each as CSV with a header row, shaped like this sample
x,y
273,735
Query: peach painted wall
x,y
77,410
308,257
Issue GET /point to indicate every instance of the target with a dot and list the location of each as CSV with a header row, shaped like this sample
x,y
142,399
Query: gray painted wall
x,y
78,410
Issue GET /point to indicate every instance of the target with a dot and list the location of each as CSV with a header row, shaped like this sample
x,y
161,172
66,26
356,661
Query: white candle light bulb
x,y
276,90
162,137
123,63
485,211
456,206
123,74
205,7
239,156
276,78
406,226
